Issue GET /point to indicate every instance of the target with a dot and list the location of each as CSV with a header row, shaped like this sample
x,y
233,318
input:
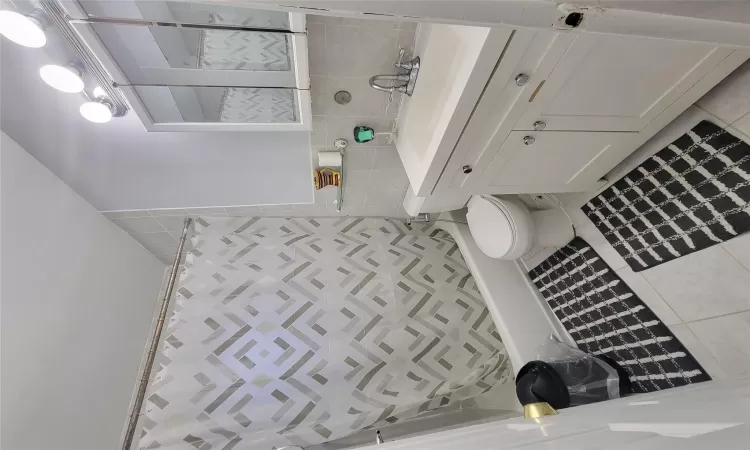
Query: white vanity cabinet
x,y
616,83
456,62
562,109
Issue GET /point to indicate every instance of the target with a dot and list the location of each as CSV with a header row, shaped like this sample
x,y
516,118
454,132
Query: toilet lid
x,y
491,227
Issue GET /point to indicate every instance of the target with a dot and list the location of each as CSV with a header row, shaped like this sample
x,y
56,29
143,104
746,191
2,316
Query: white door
x,y
710,415
617,83
552,161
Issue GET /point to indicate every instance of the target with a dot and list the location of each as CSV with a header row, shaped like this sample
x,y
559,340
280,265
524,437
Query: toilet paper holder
x,y
327,159
341,144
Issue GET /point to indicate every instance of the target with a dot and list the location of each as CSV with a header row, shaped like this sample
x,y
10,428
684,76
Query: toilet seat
x,y
502,229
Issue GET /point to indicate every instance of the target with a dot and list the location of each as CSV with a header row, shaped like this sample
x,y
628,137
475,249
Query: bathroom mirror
x,y
192,66
184,104
165,55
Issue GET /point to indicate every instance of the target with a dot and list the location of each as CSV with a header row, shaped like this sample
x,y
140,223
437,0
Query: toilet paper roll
x,y
329,159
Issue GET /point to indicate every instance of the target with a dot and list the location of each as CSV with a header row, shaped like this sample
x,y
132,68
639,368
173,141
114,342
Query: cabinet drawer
x,y
553,161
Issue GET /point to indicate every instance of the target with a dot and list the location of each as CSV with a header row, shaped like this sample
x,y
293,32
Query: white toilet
x,y
506,229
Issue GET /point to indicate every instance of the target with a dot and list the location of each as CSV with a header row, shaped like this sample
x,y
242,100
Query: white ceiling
x,y
119,166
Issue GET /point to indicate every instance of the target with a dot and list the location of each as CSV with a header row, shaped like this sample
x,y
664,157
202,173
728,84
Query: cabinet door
x,y
531,52
617,83
552,161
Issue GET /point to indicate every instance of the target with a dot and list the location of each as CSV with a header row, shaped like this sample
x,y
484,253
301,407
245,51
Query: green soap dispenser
x,y
363,134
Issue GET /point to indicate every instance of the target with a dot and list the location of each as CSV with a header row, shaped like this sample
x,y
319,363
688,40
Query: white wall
x,y
119,166
78,298
344,54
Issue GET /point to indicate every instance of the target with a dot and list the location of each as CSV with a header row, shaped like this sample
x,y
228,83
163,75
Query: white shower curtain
x,y
300,331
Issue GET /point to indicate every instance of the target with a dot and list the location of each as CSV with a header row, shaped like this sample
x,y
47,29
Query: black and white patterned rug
x,y
691,195
605,317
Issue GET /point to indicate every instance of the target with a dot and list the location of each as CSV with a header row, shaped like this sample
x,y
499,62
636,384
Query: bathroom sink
x,y
456,62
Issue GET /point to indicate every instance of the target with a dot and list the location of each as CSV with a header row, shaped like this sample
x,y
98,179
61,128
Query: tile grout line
x,y
382,116
358,77
159,222
705,347
325,48
655,290
716,317
723,124
155,232
744,116
721,244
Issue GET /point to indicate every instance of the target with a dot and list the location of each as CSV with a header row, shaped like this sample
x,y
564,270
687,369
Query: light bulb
x,y
65,79
96,111
22,30
99,92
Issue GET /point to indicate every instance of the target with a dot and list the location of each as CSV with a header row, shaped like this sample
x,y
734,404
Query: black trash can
x,y
570,377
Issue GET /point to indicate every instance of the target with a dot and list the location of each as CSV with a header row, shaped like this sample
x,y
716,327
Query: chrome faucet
x,y
406,80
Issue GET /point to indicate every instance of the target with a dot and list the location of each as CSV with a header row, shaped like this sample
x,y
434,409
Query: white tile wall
x,y
139,224
344,54
343,127
164,212
172,223
207,211
360,158
366,101
243,210
159,230
703,297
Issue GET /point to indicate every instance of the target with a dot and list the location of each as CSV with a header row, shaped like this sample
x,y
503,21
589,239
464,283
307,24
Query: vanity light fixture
x,y
28,31
63,78
99,110
24,30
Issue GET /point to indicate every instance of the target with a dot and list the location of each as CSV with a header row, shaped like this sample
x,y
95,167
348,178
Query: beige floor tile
x,y
704,284
648,294
728,340
699,351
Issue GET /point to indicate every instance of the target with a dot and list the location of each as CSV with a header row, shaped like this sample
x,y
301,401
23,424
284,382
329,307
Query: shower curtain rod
x,y
388,218
198,26
154,344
